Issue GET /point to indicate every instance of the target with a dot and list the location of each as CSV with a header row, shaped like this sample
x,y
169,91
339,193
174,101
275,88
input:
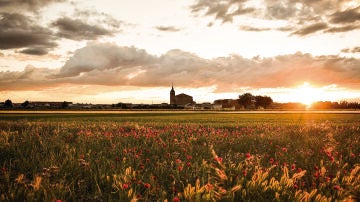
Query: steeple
x,y
172,86
172,94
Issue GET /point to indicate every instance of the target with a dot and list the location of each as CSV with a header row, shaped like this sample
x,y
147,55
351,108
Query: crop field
x,y
179,156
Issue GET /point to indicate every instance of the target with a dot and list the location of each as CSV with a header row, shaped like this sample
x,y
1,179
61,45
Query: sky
x,y
110,51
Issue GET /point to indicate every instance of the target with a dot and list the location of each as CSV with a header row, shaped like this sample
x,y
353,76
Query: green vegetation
x,y
158,156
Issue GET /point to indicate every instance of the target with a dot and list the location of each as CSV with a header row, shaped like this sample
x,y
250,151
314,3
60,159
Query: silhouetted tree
x,y
8,104
65,104
25,104
246,99
263,101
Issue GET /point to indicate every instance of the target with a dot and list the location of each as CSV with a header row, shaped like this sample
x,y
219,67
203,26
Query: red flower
x,y
176,199
247,155
284,149
147,185
337,187
125,186
271,160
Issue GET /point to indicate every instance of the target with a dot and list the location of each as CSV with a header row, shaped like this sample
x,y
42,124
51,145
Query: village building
x,y
181,99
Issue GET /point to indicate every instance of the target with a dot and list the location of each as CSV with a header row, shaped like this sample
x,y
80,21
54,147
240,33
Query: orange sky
x,y
131,51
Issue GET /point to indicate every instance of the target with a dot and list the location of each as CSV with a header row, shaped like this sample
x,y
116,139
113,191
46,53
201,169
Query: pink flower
x,y
284,149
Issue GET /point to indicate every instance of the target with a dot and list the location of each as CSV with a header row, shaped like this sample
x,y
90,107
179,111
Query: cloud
x,y
311,29
34,51
342,29
253,29
25,5
19,31
224,10
302,17
76,29
351,50
112,65
103,56
167,28
347,16
87,25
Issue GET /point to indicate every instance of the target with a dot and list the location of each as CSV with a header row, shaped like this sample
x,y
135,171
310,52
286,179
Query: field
x,y
179,156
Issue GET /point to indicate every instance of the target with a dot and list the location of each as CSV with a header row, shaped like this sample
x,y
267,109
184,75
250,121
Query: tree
x,y
246,99
8,104
25,104
263,101
65,105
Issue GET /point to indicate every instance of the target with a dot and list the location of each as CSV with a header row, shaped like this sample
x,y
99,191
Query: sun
x,y
307,94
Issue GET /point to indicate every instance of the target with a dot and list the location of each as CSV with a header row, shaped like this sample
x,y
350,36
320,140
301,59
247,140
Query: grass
x,y
179,156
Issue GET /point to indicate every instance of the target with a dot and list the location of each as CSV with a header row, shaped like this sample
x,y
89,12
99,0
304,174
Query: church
x,y
181,99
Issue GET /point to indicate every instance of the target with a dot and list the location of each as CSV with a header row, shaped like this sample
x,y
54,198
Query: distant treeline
x,y
335,105
244,102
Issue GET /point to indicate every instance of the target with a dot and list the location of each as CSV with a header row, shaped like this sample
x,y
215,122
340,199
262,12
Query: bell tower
x,y
172,95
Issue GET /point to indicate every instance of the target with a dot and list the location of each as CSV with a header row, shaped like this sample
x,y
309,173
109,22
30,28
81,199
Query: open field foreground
x,y
166,156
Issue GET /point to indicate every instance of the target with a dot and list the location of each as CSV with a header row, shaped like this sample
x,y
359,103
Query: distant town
x,y
182,101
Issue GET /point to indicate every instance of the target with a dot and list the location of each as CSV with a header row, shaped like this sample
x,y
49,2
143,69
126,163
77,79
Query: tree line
x,y
250,101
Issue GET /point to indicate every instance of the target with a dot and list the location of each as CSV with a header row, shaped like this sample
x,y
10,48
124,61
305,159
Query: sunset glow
x,y
110,51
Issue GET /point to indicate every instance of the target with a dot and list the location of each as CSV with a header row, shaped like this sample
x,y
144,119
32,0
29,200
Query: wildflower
x,y
293,166
271,161
248,155
244,173
147,185
316,174
218,159
180,168
337,187
125,186
176,199
284,149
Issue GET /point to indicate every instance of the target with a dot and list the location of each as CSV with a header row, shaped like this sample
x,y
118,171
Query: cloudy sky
x,y
109,51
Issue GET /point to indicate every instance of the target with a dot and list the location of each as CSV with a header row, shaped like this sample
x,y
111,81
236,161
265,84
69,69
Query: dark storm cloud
x,y
19,31
112,65
78,30
347,16
167,28
311,29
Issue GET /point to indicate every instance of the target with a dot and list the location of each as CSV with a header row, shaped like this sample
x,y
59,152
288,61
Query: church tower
x,y
172,95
